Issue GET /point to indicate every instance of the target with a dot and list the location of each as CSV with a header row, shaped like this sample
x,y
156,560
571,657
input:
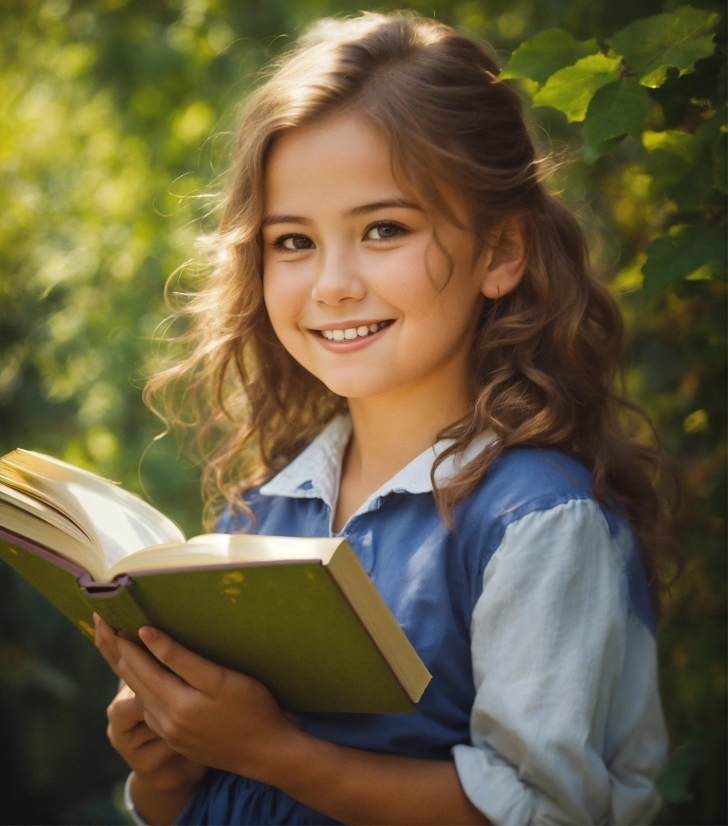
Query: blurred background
x,y
114,122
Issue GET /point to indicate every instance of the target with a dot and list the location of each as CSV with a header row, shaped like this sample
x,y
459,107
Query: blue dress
x,y
432,579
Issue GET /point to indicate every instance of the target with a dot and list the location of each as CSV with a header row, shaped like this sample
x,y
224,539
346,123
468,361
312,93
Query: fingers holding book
x,y
107,642
212,715
195,670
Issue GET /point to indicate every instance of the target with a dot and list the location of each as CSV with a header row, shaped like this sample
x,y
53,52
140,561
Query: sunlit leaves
x,y
545,53
571,89
194,122
617,109
675,40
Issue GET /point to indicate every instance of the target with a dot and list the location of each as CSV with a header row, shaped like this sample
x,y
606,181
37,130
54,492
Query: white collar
x,y
315,473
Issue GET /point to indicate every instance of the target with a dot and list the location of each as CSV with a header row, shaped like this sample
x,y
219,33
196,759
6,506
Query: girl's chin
x,y
356,389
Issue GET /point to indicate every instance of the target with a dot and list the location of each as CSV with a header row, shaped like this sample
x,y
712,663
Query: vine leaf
x,y
545,53
713,135
693,251
570,89
620,108
680,166
676,39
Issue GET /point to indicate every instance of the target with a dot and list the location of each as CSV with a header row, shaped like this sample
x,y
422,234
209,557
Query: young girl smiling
x,y
400,344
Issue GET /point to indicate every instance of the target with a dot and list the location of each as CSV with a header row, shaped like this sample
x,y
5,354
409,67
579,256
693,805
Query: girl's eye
x,y
384,231
293,243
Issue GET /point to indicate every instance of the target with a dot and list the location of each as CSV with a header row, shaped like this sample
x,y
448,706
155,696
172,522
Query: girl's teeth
x,y
350,333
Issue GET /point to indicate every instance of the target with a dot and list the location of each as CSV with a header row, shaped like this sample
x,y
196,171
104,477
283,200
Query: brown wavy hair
x,y
545,359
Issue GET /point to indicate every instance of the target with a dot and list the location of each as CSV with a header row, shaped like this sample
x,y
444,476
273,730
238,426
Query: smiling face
x,y
356,289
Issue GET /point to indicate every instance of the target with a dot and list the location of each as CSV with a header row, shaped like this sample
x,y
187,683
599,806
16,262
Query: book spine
x,y
119,608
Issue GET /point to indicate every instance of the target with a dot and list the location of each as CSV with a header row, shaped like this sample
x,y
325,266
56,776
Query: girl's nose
x,y
338,278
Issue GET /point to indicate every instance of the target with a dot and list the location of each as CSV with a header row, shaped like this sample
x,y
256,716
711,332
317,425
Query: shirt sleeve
x,y
566,726
129,805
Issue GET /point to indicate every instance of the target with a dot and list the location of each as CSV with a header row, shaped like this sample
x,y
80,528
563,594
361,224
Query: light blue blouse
x,y
533,617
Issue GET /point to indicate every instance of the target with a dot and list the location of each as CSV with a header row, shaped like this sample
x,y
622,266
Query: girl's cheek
x,y
408,280
277,289
284,298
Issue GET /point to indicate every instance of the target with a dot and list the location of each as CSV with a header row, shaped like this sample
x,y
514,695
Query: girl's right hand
x,y
162,779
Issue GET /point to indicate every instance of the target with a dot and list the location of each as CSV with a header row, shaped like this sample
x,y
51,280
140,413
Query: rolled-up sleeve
x,y
566,726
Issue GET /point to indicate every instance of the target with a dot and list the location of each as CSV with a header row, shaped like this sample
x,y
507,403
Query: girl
x,y
400,344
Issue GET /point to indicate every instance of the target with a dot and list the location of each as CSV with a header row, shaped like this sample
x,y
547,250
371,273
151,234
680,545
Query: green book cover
x,y
287,623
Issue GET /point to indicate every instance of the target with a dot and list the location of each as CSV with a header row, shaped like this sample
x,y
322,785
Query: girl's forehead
x,y
342,165
342,159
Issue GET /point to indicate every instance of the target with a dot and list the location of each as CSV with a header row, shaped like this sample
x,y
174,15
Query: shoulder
x,y
533,493
535,508
528,480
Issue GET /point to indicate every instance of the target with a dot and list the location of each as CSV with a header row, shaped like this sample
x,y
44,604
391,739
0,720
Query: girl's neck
x,y
386,437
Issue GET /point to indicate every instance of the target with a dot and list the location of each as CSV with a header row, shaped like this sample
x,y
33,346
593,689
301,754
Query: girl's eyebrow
x,y
360,210
386,202
283,219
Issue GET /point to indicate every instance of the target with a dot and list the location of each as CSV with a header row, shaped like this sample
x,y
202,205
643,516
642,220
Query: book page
x,y
65,544
42,511
121,522
36,488
219,549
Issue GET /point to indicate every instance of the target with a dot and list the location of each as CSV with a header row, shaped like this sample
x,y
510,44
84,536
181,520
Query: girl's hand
x,y
162,779
217,717
154,762
209,714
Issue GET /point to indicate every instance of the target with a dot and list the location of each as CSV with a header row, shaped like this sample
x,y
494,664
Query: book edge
x,y
405,690
44,553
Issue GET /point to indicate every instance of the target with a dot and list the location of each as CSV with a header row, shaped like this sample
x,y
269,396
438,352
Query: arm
x,y
356,786
218,717
566,726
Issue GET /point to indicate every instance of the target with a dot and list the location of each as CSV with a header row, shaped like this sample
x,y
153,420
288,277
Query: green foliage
x,y
545,53
675,40
617,109
112,134
691,252
571,89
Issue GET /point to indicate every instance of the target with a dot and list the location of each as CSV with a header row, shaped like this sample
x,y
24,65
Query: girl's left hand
x,y
210,714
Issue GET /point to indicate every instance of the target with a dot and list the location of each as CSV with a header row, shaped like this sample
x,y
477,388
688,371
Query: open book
x,y
301,615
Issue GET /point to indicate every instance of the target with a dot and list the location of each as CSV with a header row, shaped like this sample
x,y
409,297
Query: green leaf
x,y
696,250
680,166
617,109
713,135
653,45
679,144
540,56
673,782
571,89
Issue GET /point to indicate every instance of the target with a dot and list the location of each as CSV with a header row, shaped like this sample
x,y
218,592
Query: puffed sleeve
x,y
567,725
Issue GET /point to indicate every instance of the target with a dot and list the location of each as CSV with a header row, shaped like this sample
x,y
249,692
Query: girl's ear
x,y
503,261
